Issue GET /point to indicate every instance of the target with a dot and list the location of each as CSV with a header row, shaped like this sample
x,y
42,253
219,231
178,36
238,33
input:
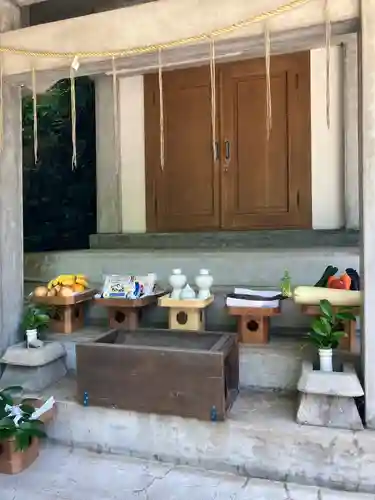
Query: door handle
x,y
227,155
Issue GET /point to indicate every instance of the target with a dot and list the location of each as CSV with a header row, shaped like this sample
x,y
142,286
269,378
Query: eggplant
x,y
329,271
354,276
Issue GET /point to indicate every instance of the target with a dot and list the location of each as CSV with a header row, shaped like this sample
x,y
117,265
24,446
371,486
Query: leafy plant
x,y
327,329
35,317
23,428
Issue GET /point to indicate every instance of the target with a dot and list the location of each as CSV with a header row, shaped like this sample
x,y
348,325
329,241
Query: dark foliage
x,y
59,203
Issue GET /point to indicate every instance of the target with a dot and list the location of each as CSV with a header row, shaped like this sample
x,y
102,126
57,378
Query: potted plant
x,y
35,318
21,427
327,331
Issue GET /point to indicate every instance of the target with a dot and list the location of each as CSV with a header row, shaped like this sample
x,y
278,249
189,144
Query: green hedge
x,y
60,203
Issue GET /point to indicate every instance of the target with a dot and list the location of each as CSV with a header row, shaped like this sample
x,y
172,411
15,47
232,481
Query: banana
x,y
67,281
82,281
52,284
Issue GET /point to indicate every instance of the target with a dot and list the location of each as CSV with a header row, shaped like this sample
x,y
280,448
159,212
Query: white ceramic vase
x,y
204,282
187,293
177,280
32,339
325,358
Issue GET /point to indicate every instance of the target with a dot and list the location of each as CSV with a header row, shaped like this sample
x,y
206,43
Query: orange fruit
x,y
77,288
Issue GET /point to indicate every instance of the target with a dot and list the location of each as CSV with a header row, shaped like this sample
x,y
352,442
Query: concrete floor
x,y
65,474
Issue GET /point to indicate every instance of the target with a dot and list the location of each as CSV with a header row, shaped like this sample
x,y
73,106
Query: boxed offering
x,y
128,287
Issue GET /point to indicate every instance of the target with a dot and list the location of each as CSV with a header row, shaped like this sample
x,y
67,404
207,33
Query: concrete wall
x,y
328,199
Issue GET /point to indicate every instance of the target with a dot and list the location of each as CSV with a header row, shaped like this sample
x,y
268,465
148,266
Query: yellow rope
x,y
73,114
161,111
1,104
328,32
282,9
213,97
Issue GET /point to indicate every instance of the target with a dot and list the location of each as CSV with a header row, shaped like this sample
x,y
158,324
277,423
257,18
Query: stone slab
x,y
329,411
341,384
61,472
34,378
19,355
259,439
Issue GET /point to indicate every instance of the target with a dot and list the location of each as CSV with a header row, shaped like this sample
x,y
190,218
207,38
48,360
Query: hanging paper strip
x,y
213,98
328,32
161,113
73,69
267,44
35,114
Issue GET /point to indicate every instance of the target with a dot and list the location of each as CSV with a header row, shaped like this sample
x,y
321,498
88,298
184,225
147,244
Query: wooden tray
x,y
129,303
78,298
261,312
166,301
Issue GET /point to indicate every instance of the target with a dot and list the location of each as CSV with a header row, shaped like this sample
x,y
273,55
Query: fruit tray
x,y
74,299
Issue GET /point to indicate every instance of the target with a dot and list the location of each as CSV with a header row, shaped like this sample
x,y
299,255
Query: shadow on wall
x,y
59,202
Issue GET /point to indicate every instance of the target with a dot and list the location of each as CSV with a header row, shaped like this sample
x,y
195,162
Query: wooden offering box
x,y
125,313
254,323
68,312
186,314
160,371
348,343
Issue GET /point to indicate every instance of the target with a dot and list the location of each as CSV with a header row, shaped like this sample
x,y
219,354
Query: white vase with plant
x,y
34,320
327,331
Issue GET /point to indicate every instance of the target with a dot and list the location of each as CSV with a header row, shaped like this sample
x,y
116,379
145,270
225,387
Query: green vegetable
x,y
286,285
329,271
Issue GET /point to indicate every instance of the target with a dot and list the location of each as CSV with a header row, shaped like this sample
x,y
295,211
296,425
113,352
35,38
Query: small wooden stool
x,y
186,314
68,312
348,343
124,314
254,323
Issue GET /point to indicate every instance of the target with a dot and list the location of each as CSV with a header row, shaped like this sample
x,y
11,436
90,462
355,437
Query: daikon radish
x,y
312,295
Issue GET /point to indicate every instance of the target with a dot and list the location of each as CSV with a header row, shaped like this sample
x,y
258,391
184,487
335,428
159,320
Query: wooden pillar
x,y
367,182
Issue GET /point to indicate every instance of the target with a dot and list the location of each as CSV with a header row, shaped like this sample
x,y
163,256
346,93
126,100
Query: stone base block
x,y
329,411
34,378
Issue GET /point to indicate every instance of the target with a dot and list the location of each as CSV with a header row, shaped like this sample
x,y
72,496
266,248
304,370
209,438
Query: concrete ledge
x,y
229,240
260,439
19,355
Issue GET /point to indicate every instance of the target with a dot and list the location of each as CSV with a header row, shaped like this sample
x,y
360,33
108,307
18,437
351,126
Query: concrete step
x,y
81,475
259,439
270,239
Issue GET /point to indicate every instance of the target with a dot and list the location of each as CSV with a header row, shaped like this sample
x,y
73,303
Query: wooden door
x,y
266,184
185,195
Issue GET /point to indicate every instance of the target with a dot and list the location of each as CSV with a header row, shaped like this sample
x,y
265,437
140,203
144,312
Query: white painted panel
x,y
131,92
327,146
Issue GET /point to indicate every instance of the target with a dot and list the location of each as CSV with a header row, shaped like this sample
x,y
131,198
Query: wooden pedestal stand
x,y
124,314
68,314
254,323
347,343
186,314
